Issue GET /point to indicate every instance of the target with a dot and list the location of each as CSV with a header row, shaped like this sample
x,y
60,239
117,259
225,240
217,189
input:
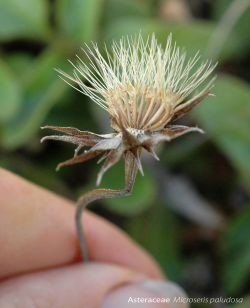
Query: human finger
x,y
89,285
37,231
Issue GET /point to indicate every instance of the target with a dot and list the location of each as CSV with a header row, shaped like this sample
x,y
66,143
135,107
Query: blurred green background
x,y
191,210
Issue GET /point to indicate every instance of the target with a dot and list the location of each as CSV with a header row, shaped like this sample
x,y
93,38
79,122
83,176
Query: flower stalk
x,y
130,175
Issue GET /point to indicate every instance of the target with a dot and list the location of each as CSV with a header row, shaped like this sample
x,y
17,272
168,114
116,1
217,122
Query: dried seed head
x,y
143,87
141,84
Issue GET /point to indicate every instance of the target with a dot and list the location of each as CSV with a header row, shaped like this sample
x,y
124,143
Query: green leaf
x,y
42,89
226,120
193,36
236,253
26,18
78,19
10,93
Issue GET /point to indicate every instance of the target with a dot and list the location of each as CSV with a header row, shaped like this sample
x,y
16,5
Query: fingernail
x,y
147,293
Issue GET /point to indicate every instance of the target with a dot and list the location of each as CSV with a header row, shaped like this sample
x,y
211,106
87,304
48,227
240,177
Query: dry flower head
x,y
144,89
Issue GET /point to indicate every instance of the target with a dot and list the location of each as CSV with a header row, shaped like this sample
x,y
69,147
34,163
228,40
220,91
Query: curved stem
x,y
130,175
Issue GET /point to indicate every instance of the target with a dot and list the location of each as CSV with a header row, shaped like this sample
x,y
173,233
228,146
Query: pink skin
x,y
40,254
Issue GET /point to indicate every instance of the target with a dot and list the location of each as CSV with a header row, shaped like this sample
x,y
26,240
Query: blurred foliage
x,y
236,247
26,19
230,111
241,29
39,35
